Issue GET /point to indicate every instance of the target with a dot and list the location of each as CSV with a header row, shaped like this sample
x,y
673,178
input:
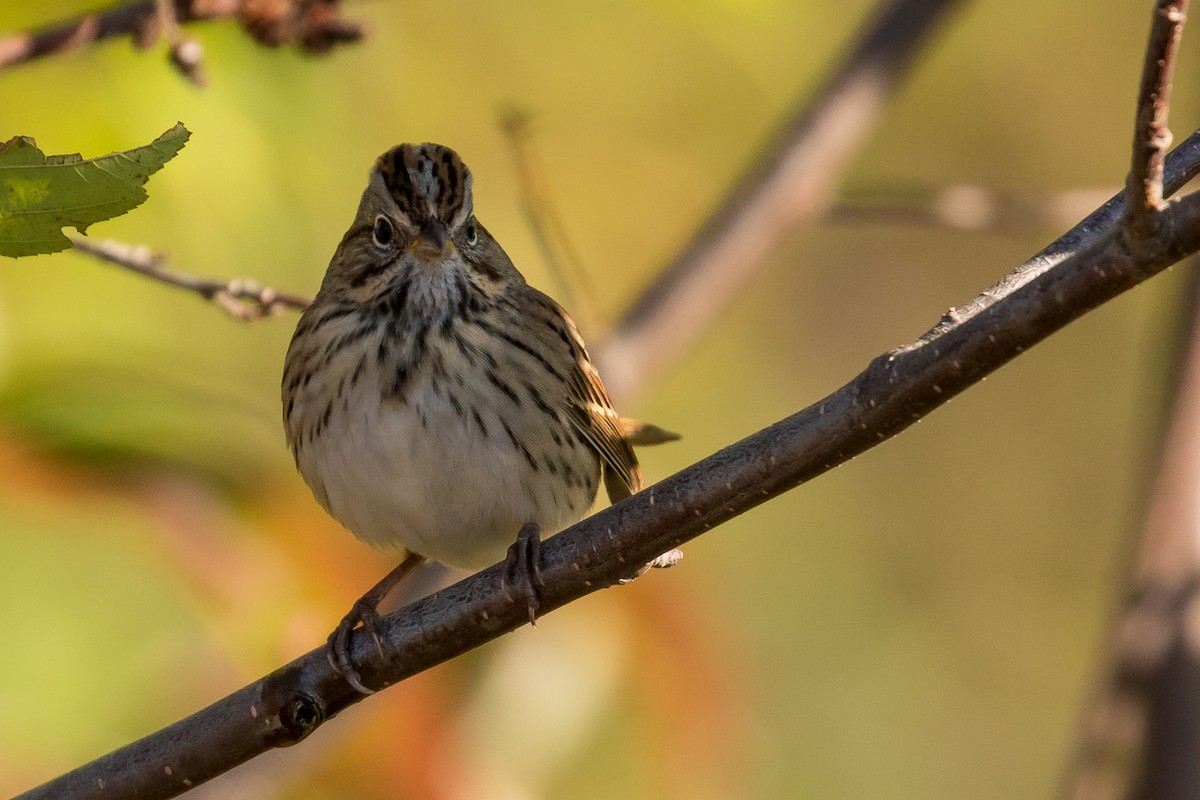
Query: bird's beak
x,y
433,242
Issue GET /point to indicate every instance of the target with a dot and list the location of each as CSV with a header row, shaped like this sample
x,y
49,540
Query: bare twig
x,y
897,388
965,207
185,51
314,26
1151,137
241,298
546,225
792,181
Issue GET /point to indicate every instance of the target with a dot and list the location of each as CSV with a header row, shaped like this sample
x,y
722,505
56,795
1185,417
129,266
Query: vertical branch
x,y
1151,137
1142,731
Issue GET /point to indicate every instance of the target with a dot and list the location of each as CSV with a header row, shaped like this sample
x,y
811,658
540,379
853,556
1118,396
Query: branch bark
x,y
1151,138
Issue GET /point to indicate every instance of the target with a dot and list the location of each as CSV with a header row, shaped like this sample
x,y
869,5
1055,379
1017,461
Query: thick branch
x,y
313,25
792,181
896,389
1151,137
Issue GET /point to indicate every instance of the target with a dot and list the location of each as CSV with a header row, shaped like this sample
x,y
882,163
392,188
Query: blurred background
x,y
923,622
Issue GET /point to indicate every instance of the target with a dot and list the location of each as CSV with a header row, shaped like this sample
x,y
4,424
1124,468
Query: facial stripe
x,y
427,181
394,170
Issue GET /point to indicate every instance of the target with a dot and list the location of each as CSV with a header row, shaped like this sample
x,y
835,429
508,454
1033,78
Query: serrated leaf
x,y
40,195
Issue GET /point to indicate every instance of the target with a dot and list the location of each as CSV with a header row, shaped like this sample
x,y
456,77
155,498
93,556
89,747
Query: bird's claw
x,y
362,613
523,569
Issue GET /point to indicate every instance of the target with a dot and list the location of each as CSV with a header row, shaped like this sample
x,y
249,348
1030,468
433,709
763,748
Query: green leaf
x,y
40,194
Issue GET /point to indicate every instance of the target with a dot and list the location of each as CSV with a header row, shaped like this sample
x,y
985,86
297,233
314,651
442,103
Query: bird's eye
x,y
383,233
472,233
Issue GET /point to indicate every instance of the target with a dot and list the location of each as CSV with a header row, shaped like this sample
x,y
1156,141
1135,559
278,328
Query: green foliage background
x,y
923,622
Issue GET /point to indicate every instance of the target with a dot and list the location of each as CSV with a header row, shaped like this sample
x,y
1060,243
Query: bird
x,y
437,405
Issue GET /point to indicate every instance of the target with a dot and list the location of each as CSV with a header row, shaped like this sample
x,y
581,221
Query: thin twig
x,y
792,181
314,26
546,225
965,207
185,51
1151,137
241,298
897,389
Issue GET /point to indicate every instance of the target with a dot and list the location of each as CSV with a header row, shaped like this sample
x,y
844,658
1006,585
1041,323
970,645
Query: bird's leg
x,y
365,612
523,568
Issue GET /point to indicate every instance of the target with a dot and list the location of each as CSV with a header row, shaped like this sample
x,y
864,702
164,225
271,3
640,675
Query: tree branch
x,y
315,26
185,51
1151,137
791,182
1142,730
241,298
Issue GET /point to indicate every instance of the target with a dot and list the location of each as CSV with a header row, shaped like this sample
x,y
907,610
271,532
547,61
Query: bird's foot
x,y
523,569
365,612
362,613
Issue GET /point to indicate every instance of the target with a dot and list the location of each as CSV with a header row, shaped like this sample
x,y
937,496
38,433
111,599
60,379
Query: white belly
x,y
420,476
